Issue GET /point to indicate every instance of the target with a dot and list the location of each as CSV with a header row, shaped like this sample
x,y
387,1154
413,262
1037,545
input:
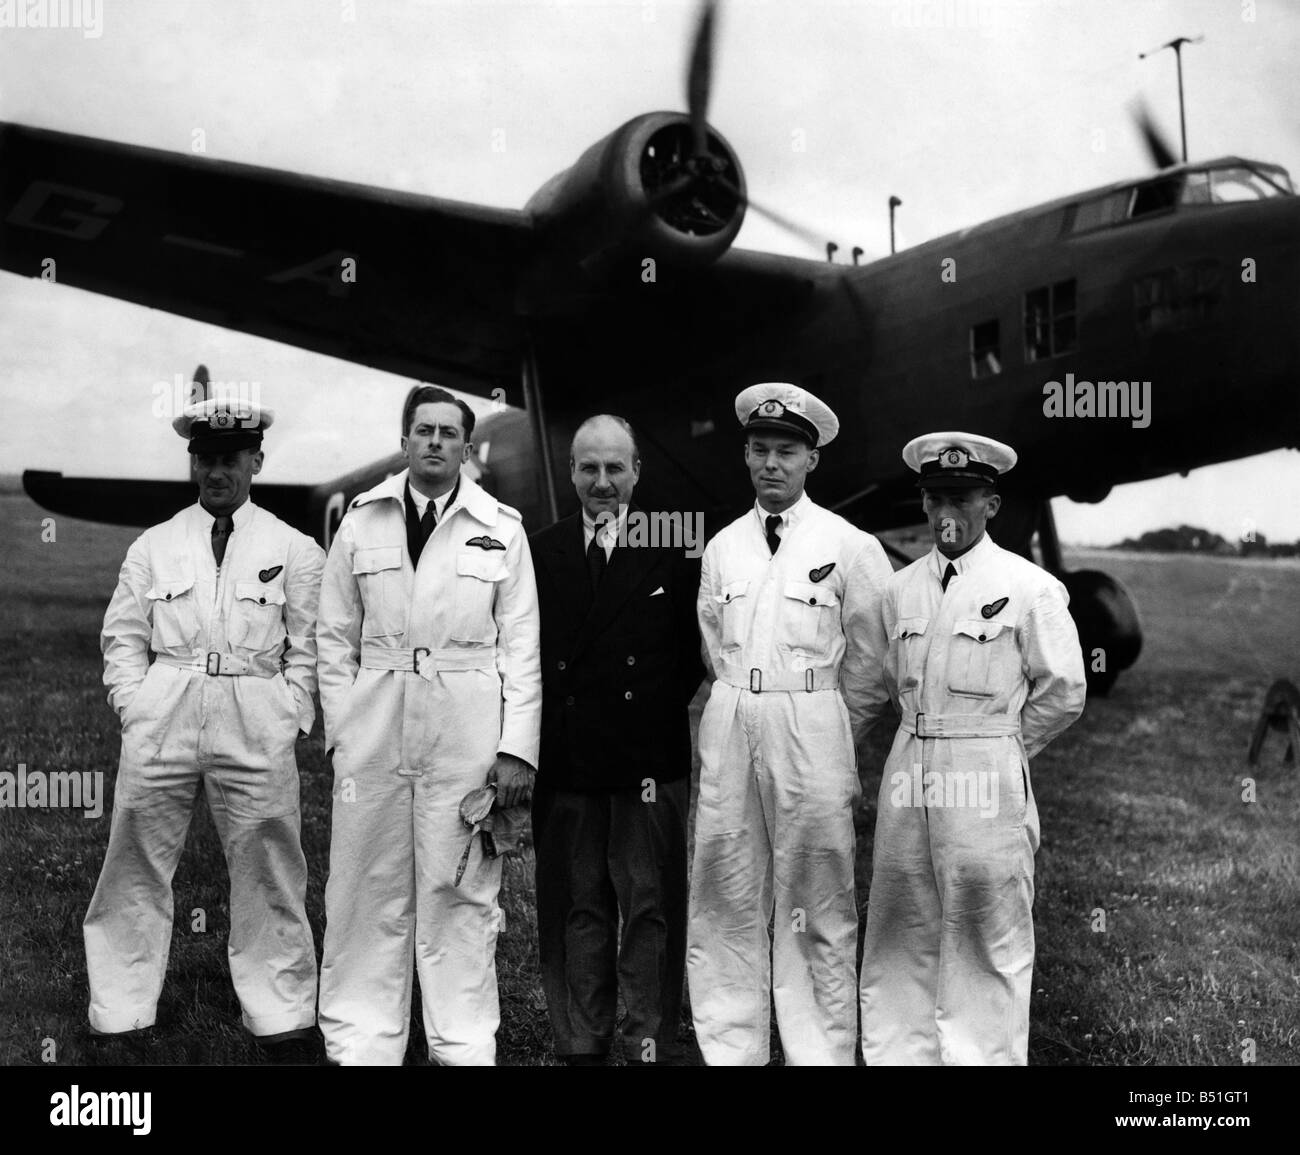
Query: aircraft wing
x,y
429,289
430,293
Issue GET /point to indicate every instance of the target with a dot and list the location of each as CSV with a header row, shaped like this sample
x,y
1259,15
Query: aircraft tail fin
x,y
200,387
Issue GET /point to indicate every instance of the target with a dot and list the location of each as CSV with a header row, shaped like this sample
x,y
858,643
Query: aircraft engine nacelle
x,y
1107,620
641,192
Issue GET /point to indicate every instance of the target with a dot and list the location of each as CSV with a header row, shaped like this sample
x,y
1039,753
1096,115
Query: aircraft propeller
x,y
1158,148
699,80
694,184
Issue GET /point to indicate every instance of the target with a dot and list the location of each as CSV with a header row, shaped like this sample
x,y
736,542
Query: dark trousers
x,y
601,854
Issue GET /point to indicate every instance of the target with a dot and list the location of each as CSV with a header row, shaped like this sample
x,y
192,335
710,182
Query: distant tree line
x,y
1191,539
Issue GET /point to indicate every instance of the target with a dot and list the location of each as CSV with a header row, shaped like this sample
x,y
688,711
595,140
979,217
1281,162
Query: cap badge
x,y
772,408
221,419
954,458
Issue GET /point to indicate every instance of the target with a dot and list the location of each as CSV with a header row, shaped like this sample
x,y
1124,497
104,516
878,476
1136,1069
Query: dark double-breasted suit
x,y
620,667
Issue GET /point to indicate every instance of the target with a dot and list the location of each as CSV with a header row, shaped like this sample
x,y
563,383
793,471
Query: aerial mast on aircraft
x,y
1177,45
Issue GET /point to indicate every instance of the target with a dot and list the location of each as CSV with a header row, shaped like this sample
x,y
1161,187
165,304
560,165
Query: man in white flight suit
x,y
985,667
431,686
225,595
789,610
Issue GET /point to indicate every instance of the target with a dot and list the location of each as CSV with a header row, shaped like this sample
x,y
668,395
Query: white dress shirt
x,y
439,503
609,531
939,562
789,518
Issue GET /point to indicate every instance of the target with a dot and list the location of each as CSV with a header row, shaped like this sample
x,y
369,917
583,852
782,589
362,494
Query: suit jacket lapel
x,y
569,566
625,570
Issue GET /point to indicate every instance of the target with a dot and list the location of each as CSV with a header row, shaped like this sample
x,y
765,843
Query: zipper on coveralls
x,y
203,685
922,696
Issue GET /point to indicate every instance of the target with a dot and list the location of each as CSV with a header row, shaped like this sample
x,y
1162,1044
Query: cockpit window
x,y
1198,187
1157,196
1229,185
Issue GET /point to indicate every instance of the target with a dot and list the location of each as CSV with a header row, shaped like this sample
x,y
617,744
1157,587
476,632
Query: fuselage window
x,y
1178,299
985,350
1050,321
1102,211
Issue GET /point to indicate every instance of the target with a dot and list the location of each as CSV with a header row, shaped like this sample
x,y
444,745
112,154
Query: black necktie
x,y
948,575
419,526
772,522
222,528
596,561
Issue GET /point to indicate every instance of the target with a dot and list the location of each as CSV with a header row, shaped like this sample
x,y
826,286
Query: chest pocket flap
x,y
377,559
807,617
378,573
731,591
472,619
488,567
261,593
733,609
255,618
811,594
909,627
175,616
979,631
982,659
168,589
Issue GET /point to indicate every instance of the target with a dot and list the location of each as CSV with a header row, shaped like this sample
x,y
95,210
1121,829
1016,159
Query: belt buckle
x,y
415,657
755,681
920,725
214,660
808,680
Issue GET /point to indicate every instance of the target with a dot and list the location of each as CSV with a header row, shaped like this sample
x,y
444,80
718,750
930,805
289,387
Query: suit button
x,y
982,638
812,601
169,597
628,696
631,661
262,601
563,665
569,700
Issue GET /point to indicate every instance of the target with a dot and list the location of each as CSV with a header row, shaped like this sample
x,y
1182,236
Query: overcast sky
x,y
964,109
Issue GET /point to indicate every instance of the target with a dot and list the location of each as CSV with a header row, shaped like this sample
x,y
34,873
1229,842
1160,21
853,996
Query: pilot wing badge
x,y
994,607
486,542
822,571
267,574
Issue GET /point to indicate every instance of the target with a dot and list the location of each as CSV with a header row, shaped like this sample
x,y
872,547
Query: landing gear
x,y
1110,634
1109,631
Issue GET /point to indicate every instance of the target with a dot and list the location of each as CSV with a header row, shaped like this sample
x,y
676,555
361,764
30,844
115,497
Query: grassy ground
x,y
1140,803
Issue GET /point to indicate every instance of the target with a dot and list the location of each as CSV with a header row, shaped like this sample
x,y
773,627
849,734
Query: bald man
x,y
620,665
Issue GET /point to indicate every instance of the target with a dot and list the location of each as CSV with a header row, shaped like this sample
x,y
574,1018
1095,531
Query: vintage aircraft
x,y
1119,334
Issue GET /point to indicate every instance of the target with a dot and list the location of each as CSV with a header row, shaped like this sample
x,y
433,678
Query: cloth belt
x,y
214,664
787,681
426,662
961,725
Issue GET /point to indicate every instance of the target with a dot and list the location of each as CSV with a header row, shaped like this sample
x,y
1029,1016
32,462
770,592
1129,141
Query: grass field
x,y
1140,801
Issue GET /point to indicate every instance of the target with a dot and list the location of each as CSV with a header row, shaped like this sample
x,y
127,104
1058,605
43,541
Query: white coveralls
x,y
221,705
778,784
992,669
426,674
